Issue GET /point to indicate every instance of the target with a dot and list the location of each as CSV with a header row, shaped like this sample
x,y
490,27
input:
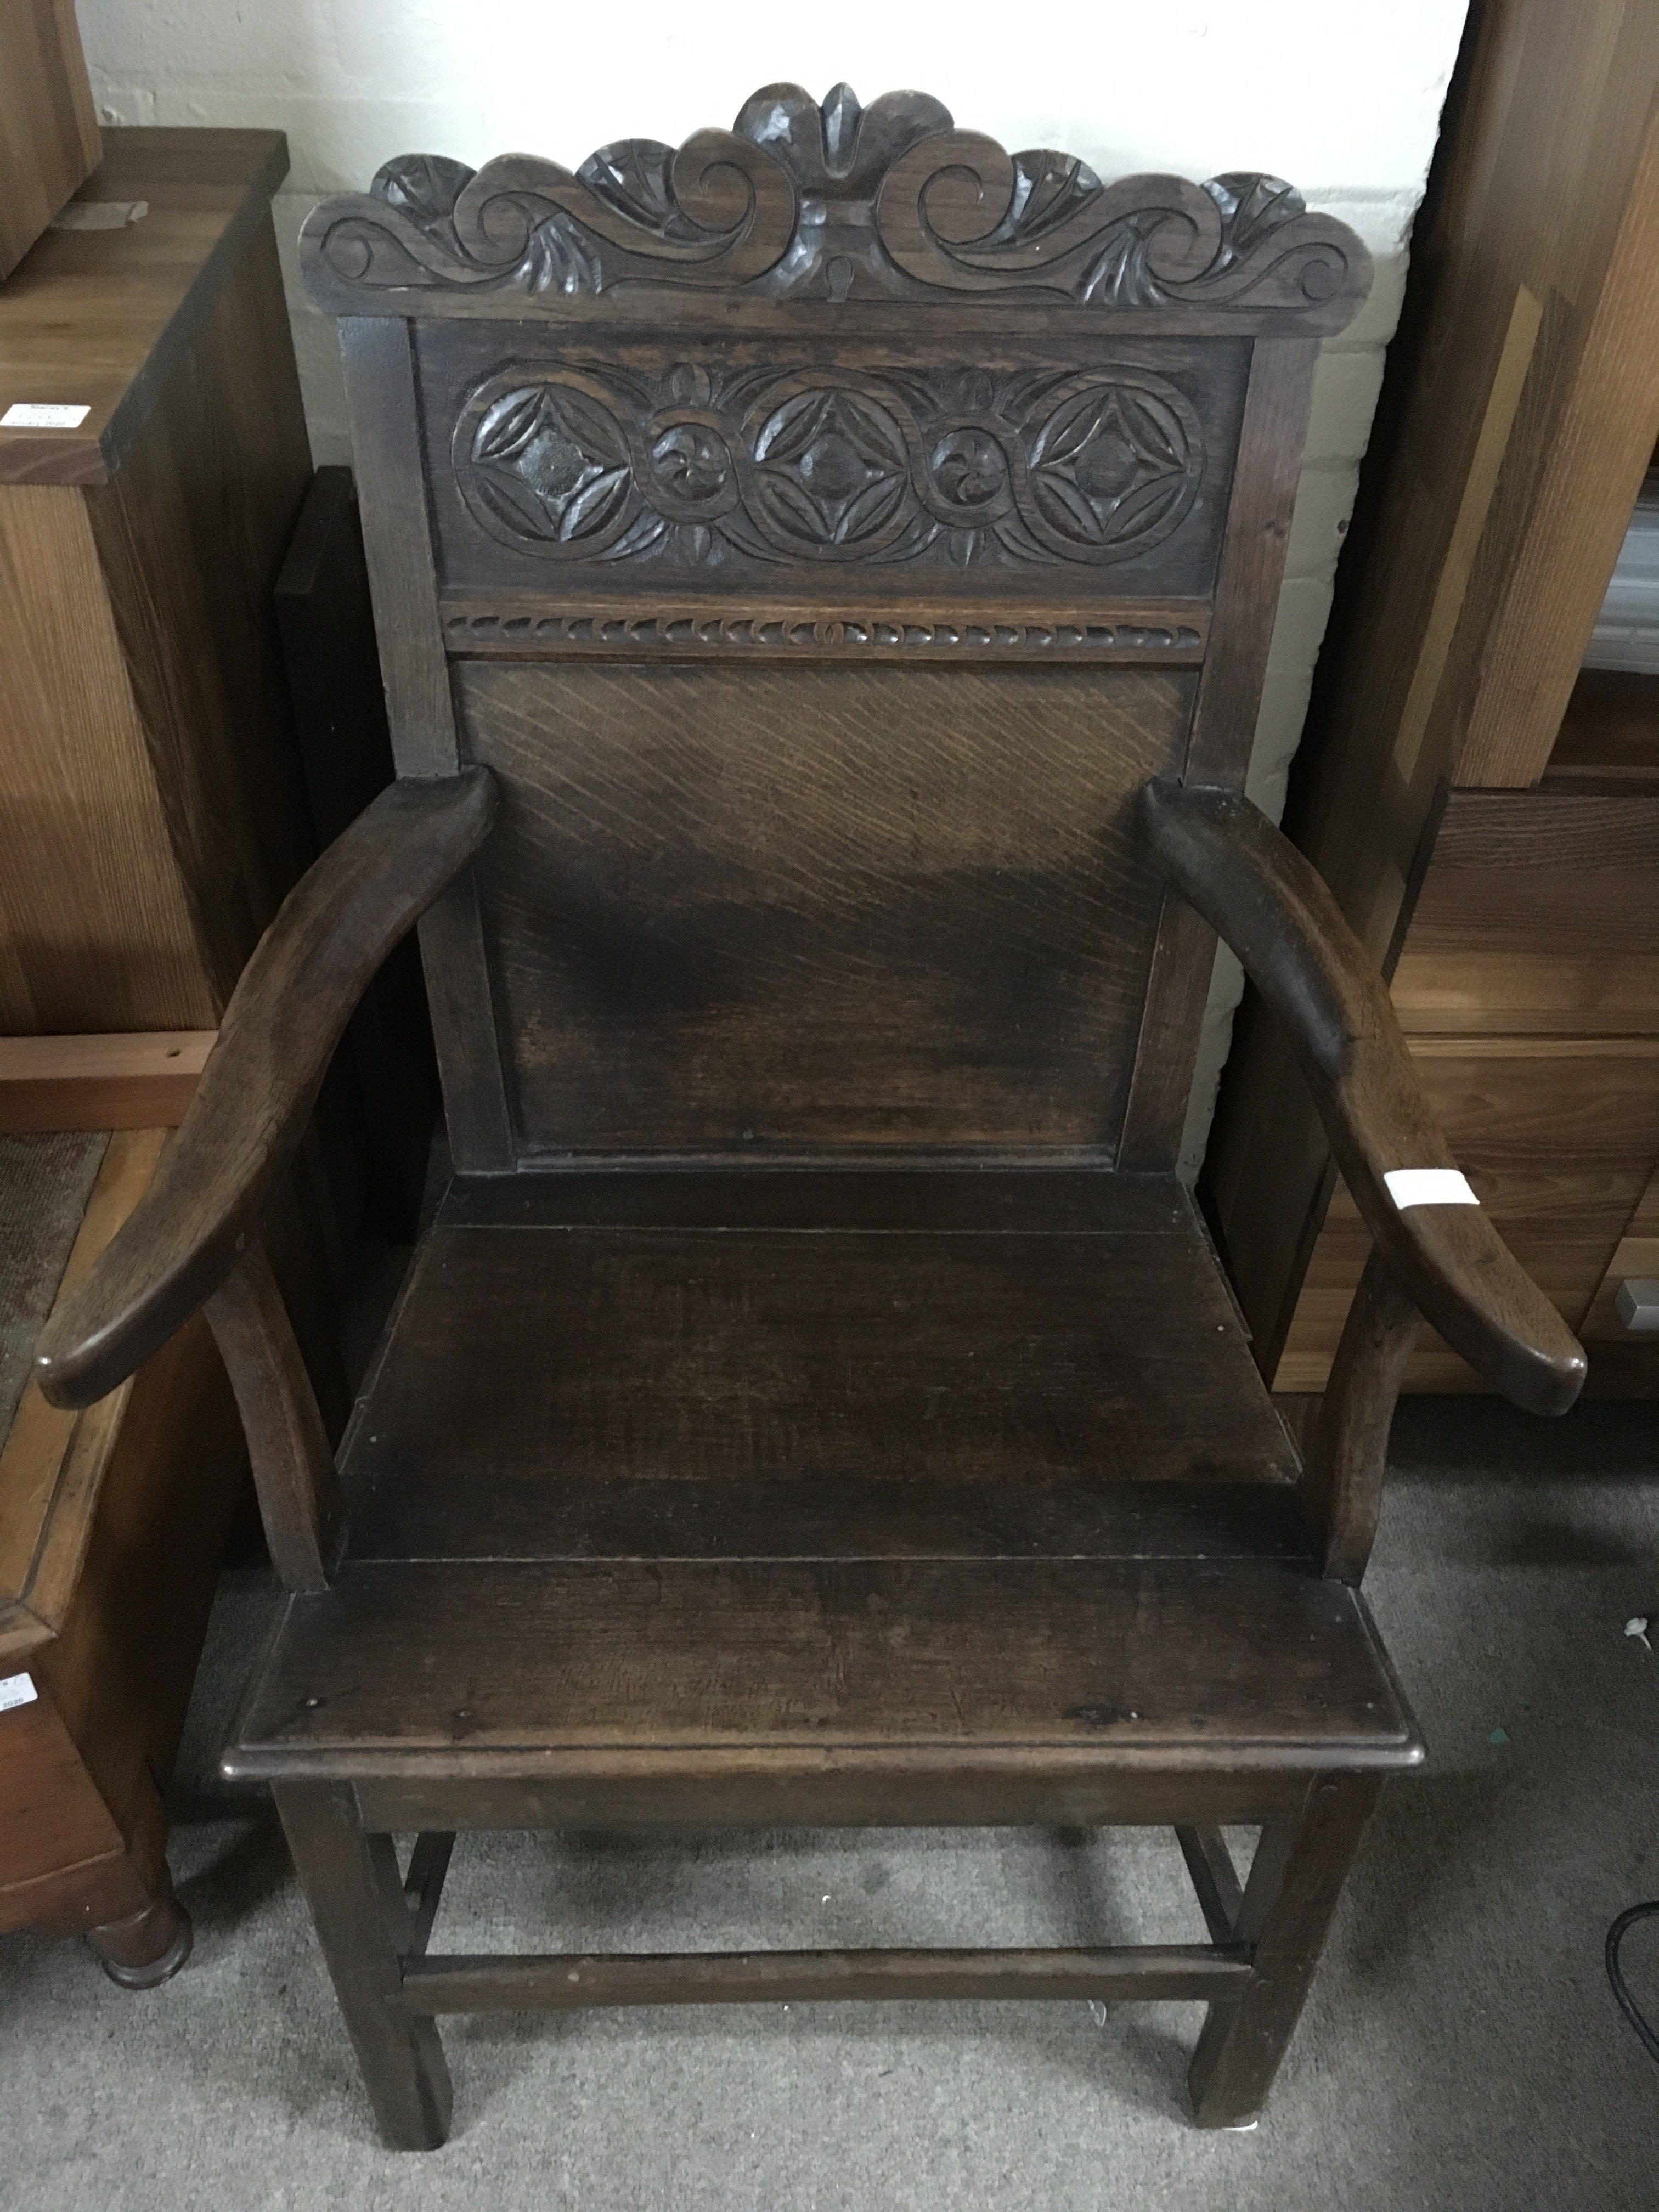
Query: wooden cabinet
x,y
48,140
112,1522
1488,815
153,815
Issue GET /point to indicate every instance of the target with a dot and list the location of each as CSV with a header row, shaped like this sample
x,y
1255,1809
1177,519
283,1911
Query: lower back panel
x,y
735,910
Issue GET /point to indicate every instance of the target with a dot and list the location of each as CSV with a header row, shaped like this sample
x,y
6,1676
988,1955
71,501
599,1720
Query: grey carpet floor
x,y
1460,2050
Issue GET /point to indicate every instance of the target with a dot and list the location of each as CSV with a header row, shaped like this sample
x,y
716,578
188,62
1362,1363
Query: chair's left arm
x,y
1446,1260
201,1212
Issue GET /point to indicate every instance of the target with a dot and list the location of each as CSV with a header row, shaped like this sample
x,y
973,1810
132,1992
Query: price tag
x,y
43,415
1429,1187
15,1689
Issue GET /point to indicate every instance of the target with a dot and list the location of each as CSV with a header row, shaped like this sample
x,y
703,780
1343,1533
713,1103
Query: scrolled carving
x,y
813,464
831,203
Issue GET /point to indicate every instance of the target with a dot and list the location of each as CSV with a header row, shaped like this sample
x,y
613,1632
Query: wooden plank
x,y
1266,476
512,1671
567,1983
102,931
920,1194
49,138
1591,468
768,1790
1536,914
562,1517
225,436
389,455
690,1355
120,1082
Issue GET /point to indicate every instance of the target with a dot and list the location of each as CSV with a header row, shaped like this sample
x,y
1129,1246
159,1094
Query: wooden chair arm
x,y
261,1079
1273,906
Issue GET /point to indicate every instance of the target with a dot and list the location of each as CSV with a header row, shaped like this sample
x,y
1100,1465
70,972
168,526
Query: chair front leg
x,y
362,1918
1290,1900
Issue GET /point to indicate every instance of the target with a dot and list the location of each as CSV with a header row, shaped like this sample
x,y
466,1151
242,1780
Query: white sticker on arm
x,y
15,1689
1429,1187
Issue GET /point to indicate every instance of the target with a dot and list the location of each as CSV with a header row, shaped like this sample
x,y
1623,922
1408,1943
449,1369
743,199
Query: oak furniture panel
x,y
155,821
49,138
112,1522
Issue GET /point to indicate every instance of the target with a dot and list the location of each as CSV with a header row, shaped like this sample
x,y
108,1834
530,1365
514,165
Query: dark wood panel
x,y
870,1789
506,1669
791,1516
518,1353
748,908
585,467
848,1194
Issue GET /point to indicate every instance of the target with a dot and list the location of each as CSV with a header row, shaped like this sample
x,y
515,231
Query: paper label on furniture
x,y
15,1689
43,415
1429,1187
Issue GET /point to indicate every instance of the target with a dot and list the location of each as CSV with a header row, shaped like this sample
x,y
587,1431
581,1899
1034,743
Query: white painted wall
x,y
1343,100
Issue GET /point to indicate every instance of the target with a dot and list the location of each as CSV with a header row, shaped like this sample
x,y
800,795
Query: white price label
x,y
43,415
15,1689
1429,1187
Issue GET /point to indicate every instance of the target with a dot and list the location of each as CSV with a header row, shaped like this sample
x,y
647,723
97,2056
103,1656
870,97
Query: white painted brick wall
x,y
1343,100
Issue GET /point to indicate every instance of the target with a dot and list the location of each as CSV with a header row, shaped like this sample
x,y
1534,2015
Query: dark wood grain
x,y
300,1499
1348,1455
1210,1863
730,910
482,1671
356,1901
1253,563
1139,1972
1290,1900
256,1091
386,1077
686,1355
1273,909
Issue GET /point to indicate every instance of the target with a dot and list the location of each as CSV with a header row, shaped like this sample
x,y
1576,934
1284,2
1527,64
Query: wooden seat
x,y
803,1485
823,580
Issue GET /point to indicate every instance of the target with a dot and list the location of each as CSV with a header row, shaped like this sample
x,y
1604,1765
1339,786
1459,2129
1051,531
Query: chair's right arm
x,y
202,1210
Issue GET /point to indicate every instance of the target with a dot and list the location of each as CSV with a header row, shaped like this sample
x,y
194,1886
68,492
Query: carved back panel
x,y
823,531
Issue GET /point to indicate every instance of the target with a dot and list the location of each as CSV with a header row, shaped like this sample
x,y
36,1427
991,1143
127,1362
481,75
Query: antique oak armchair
x,y
823,578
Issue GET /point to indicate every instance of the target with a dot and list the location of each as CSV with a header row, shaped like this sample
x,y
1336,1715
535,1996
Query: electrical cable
x,y
1627,2004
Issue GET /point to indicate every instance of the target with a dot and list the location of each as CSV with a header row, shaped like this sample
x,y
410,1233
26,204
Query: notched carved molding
x,y
700,467
804,202
784,633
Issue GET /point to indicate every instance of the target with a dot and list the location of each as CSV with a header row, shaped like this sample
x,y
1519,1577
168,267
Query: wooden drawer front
x,y
583,470
1558,1137
51,1813
1537,914
733,907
